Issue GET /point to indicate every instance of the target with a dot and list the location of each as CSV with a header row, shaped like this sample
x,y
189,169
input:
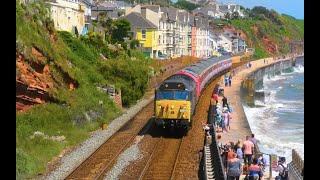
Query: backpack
x,y
285,173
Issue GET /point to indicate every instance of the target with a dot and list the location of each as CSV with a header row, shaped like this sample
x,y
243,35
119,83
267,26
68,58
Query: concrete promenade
x,y
239,124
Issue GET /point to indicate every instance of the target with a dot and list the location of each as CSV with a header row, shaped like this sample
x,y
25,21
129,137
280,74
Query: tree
x,y
107,24
134,43
120,13
235,15
227,16
121,29
183,4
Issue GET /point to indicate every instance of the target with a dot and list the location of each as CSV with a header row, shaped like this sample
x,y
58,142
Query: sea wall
x,y
252,86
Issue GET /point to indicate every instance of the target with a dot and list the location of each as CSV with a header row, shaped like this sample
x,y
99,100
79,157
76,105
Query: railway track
x,y
163,160
162,163
104,157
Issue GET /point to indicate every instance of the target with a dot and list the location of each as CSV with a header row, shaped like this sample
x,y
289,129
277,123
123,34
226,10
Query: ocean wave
x,y
270,79
280,148
299,69
276,137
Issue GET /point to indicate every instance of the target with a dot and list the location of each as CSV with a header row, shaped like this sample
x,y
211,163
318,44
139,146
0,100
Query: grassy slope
x,y
291,28
88,69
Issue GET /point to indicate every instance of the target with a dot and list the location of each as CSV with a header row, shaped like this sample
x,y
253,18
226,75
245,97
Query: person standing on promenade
x,y
220,146
254,170
230,107
226,121
215,97
230,79
248,150
264,61
253,139
238,148
282,169
225,102
226,80
227,116
234,168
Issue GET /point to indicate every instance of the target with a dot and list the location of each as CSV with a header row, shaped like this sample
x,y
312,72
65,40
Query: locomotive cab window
x,y
173,95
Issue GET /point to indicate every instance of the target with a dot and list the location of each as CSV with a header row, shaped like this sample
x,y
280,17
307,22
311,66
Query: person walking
x,y
254,170
230,79
253,139
248,150
234,167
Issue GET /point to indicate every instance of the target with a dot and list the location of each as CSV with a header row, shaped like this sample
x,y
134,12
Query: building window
x,y
143,31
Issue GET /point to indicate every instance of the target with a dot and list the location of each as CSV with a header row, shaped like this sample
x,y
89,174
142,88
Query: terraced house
x,y
68,15
144,31
179,33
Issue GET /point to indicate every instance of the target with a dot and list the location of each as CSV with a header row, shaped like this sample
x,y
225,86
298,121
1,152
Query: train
x,y
176,97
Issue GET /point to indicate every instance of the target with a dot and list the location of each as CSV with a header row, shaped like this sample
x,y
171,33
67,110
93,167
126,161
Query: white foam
x,y
299,69
274,140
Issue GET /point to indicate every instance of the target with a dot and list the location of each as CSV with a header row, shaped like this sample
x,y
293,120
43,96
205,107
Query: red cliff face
x,y
31,82
34,80
271,47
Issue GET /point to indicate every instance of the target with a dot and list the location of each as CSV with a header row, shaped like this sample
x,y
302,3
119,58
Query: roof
x,y
138,21
114,4
181,78
199,22
102,8
164,11
172,13
154,8
226,36
197,68
182,17
191,19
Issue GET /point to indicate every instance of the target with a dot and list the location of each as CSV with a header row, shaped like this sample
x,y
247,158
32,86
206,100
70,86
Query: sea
x,y
278,120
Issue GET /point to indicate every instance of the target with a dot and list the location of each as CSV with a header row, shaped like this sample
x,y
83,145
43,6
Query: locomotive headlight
x,y
183,116
172,107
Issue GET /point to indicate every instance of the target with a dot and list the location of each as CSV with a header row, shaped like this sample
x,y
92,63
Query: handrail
x,y
297,160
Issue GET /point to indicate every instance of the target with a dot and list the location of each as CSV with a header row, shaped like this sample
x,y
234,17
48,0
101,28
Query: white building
x,y
68,15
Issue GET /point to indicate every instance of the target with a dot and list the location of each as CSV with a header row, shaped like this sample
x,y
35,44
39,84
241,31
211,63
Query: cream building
x,y
67,14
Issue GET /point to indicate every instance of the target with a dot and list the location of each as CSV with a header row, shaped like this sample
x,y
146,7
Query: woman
x,y
238,149
234,168
254,170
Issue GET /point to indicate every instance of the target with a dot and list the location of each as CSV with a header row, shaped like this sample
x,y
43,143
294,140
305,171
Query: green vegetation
x,y
263,23
77,59
183,4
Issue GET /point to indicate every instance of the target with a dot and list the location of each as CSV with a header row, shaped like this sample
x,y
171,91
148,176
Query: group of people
x,y
238,158
248,65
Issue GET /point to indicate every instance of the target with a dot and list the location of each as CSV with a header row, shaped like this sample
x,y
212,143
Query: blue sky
x,y
294,8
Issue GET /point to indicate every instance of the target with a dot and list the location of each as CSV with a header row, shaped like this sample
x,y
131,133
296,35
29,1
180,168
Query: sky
x,y
293,8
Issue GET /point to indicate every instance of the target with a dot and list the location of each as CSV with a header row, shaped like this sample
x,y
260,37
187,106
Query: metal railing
x,y
297,161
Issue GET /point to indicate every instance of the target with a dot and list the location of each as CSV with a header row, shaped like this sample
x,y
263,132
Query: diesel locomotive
x,y
177,96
